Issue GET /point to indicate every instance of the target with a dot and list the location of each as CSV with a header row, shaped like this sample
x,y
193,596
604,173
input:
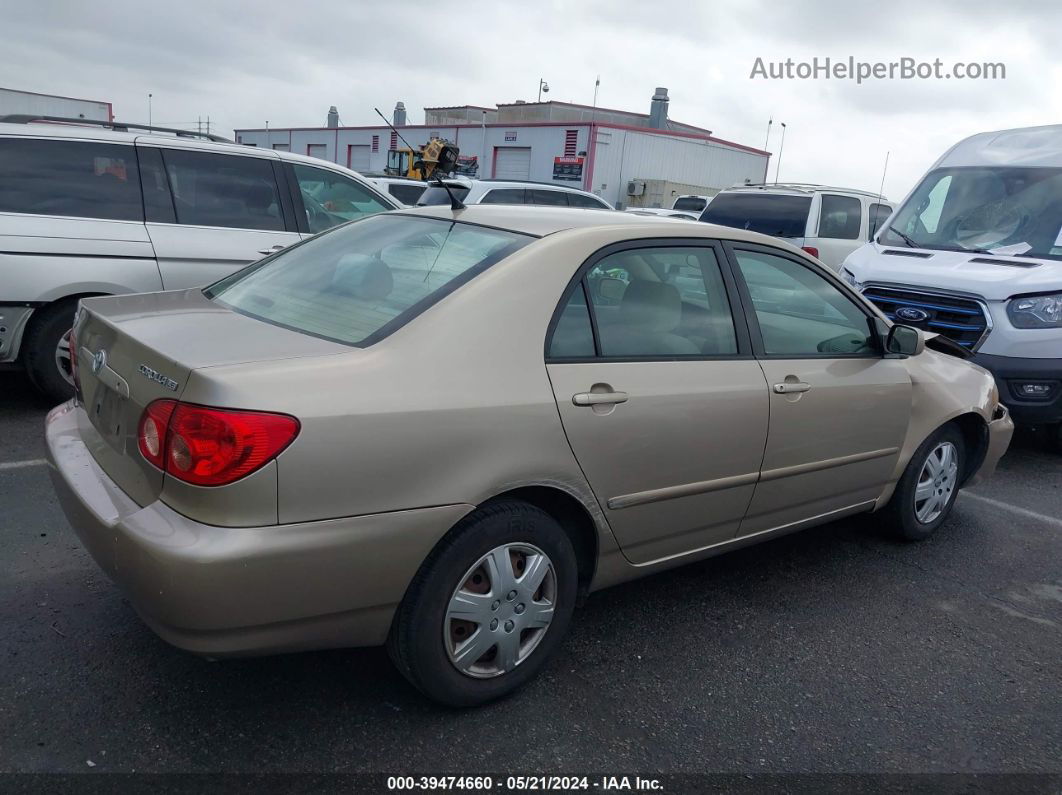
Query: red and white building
x,y
615,154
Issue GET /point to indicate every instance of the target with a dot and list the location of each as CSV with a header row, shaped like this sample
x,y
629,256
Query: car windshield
x,y
692,203
437,195
360,282
1002,210
775,214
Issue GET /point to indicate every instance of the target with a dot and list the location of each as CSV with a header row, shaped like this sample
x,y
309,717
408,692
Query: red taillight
x,y
152,431
211,447
811,250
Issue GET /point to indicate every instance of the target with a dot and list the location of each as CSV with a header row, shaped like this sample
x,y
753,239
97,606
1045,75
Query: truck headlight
x,y
849,278
1036,311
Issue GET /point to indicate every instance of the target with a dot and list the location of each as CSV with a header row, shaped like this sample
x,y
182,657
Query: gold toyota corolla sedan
x,y
437,428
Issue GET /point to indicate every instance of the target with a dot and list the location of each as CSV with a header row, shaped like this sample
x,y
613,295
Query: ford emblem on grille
x,y
98,360
912,314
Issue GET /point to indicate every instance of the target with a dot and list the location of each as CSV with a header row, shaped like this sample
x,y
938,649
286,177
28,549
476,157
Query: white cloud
x,y
288,62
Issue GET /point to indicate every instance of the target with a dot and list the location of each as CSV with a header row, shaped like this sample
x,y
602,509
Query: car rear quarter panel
x,y
454,408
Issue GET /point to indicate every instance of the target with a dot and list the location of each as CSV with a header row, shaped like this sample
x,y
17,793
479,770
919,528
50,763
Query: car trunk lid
x,y
136,349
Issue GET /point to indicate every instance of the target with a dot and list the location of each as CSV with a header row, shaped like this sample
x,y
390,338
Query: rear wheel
x,y
488,607
46,349
929,486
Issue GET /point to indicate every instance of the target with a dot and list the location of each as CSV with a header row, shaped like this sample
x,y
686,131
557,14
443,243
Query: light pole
x,y
781,146
543,87
149,110
770,121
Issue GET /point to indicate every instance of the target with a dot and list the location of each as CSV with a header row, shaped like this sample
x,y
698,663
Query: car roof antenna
x,y
445,153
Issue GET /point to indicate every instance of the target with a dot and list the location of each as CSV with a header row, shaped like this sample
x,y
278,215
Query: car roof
x,y
1024,146
540,220
800,189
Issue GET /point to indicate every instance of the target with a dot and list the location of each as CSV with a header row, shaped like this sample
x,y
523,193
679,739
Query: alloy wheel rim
x,y
500,610
936,482
62,359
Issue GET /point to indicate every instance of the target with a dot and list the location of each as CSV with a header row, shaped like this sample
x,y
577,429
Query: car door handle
x,y
598,398
272,249
791,387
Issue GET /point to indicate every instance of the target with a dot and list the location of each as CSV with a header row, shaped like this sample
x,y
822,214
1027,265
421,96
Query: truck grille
x,y
958,318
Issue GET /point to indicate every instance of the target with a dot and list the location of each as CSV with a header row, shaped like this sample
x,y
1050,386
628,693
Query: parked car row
x,y
86,210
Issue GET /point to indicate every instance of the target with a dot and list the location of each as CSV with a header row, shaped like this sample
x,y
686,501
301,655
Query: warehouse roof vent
x,y
333,117
400,114
658,110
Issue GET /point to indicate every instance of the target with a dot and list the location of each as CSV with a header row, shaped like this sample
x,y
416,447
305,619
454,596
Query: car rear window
x,y
69,178
407,194
774,214
437,195
692,203
360,282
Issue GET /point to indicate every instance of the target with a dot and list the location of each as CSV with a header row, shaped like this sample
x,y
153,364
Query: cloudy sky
x,y
287,62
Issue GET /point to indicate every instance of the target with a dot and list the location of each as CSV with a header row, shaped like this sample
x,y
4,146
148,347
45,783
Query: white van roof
x,y
1025,146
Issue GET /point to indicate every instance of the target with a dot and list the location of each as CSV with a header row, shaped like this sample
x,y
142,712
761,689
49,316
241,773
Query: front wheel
x,y
928,487
488,607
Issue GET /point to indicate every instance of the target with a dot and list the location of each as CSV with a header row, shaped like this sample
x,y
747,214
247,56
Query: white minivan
x,y
975,254
828,223
101,208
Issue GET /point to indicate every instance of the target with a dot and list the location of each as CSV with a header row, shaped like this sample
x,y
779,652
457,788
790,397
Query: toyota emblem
x,y
98,360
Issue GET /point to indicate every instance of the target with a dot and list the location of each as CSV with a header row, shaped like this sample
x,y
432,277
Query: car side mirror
x,y
905,341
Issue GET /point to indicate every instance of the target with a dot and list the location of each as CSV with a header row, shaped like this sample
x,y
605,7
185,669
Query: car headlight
x,y
1036,311
849,278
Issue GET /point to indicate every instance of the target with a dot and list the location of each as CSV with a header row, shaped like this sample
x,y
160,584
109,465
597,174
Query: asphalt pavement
x,y
835,649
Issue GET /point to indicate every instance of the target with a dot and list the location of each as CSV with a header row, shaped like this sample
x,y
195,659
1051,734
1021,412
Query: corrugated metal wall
x,y
625,155
620,156
12,101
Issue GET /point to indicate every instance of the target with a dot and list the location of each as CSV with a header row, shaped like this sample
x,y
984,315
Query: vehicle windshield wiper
x,y
910,243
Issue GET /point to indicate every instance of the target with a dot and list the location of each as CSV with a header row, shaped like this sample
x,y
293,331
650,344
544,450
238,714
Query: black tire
x,y
900,517
46,330
416,642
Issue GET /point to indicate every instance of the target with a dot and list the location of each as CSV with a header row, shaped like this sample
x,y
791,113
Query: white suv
x,y
95,209
828,223
497,191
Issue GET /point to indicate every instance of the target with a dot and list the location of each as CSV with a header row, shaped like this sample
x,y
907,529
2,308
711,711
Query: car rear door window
x,y
663,302
573,336
79,179
330,199
223,190
556,198
775,214
800,312
840,217
580,200
879,213
505,196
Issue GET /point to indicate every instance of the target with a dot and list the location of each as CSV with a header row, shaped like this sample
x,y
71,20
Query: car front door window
x,y
799,312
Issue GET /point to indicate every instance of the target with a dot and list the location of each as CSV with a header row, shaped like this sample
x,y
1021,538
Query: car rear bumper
x,y
222,591
1011,371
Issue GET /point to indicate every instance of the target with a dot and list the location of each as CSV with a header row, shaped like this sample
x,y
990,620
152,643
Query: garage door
x,y
512,162
358,157
318,150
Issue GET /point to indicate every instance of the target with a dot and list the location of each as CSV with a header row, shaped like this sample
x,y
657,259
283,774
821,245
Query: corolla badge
x,y
98,360
912,314
157,377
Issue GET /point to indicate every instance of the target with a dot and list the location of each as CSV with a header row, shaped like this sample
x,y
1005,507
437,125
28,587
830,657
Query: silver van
x,y
92,209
